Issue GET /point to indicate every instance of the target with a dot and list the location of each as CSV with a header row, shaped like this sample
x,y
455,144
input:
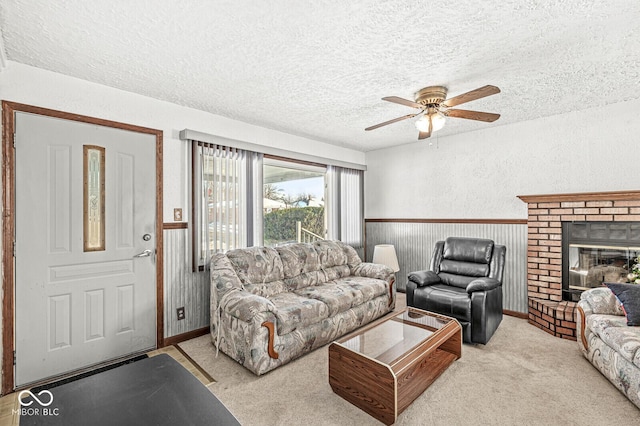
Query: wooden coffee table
x,y
383,367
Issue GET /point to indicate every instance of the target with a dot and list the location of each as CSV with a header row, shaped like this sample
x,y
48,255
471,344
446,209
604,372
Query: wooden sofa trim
x,y
272,335
583,324
391,283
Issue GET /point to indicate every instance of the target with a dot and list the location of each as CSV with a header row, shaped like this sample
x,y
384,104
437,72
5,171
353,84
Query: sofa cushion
x,y
334,273
298,258
294,311
353,259
629,297
257,265
330,254
598,323
369,287
338,297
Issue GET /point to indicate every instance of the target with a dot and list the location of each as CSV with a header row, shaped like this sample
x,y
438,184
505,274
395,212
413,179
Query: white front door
x,y
76,307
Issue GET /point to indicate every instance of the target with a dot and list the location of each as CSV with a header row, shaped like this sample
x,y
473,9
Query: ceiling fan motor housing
x,y
431,96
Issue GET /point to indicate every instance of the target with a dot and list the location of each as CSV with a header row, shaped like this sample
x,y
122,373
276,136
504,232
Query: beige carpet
x,y
524,376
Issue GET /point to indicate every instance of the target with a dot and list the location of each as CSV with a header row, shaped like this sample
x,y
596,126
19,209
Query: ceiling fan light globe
x,y
437,121
422,124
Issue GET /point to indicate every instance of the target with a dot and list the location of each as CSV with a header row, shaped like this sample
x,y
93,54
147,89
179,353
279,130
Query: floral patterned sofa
x,y
608,342
272,305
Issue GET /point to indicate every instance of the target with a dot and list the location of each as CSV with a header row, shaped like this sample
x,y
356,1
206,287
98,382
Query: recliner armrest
x,y
482,284
424,278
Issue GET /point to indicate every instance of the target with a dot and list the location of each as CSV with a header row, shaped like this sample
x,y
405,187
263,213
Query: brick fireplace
x,y
546,213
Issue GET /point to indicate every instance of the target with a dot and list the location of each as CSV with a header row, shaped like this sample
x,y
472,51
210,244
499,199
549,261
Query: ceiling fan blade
x,y
423,135
395,120
402,101
489,117
472,95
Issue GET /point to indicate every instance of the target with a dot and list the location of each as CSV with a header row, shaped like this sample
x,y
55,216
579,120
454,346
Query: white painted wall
x,y
34,86
479,174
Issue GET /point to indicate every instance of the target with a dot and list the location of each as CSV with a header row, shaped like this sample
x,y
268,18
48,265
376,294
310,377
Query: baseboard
x,y
516,314
173,340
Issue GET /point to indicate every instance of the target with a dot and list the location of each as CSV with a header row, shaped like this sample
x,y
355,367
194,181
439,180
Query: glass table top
x,y
399,334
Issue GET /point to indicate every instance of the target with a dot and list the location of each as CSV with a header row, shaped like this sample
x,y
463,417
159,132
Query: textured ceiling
x,y
318,69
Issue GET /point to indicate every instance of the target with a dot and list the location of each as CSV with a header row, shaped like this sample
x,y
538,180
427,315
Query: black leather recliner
x,y
464,281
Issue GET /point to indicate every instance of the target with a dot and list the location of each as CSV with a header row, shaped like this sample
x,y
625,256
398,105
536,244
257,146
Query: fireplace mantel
x,y
582,196
546,213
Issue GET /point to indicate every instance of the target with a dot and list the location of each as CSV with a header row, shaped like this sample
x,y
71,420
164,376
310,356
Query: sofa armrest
x,y
245,306
373,270
482,284
424,278
600,300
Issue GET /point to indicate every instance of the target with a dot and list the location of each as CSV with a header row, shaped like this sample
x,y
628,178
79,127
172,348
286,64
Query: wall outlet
x,y
177,215
180,312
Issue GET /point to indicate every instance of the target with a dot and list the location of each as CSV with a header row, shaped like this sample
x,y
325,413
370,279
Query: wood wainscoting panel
x,y
414,240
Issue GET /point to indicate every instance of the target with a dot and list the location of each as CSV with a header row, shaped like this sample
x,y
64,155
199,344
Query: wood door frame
x,y
8,224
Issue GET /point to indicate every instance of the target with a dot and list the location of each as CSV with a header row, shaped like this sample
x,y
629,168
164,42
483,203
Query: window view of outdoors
x,y
293,203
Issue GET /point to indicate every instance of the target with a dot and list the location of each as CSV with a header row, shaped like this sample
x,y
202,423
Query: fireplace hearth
x,y
551,299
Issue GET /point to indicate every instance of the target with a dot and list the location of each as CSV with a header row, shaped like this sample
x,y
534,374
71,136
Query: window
x,y
243,198
293,204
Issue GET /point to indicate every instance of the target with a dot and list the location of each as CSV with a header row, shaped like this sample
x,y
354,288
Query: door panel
x,y
75,308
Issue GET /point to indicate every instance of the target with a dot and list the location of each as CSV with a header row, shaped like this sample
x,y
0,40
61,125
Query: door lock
x,y
146,237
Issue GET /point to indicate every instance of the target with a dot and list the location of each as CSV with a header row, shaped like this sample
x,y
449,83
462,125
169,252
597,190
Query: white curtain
x,y
226,214
345,205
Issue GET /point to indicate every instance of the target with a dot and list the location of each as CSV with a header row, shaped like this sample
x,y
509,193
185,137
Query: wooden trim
x,y
175,225
584,196
583,323
15,106
195,364
270,349
293,160
391,284
178,338
159,240
8,232
487,221
516,314
8,225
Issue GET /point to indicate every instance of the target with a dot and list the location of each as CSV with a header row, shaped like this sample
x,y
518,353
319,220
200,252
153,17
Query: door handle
x,y
145,253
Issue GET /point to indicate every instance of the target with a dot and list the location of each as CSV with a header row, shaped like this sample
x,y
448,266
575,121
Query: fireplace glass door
x,y
597,252
592,265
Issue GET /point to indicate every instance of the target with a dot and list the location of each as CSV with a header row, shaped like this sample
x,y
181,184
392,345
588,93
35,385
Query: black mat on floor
x,y
153,391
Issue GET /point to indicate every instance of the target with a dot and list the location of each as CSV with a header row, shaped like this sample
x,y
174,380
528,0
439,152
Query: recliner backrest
x,y
458,261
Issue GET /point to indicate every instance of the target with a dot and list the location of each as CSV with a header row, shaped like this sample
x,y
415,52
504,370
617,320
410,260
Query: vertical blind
x,y
345,205
217,199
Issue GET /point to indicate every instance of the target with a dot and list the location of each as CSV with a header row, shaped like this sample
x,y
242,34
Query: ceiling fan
x,y
434,108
